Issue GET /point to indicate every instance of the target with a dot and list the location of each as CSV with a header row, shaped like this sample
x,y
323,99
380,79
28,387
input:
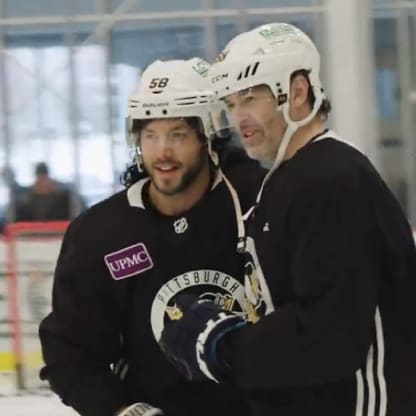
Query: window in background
x,y
146,6
70,113
225,4
38,8
93,132
44,98
37,113
387,83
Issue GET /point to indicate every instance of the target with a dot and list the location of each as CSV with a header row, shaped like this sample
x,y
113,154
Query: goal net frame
x,y
14,234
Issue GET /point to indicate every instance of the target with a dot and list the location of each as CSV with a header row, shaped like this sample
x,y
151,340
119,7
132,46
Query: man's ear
x,y
299,89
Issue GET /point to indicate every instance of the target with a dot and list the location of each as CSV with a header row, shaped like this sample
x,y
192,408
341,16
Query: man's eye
x,y
179,135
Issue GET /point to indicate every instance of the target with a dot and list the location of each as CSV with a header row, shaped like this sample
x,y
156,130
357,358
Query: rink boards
x,y
35,267
35,264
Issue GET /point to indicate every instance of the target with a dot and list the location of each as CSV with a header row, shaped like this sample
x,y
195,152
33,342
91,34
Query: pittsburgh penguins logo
x,y
258,300
255,302
212,285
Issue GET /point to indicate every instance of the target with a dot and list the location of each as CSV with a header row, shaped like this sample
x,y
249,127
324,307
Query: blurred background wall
x,y
67,67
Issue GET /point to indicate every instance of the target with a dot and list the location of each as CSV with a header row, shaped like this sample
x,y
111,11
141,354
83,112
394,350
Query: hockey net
x,y
28,254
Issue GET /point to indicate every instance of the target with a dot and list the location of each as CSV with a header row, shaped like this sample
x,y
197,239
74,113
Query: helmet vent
x,y
250,71
202,99
256,65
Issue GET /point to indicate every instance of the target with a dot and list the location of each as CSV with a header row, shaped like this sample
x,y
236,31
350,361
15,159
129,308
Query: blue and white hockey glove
x,y
141,409
191,342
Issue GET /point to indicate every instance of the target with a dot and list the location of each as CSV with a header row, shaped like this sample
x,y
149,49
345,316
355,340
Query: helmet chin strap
x,y
291,129
241,232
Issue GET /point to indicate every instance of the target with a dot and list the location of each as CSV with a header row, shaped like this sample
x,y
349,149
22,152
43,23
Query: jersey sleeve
x,y
80,337
323,333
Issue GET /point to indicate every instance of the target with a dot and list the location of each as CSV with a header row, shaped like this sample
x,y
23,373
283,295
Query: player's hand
x,y
190,342
140,409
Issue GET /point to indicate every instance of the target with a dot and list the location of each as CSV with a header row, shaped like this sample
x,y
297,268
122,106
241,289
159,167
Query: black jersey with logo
x,y
120,267
331,278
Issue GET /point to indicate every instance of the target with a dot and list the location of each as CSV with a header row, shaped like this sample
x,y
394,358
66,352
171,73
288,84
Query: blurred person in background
x,y
17,195
331,262
48,199
9,178
125,261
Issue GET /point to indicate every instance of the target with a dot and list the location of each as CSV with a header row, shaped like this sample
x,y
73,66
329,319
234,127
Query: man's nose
x,y
239,115
165,147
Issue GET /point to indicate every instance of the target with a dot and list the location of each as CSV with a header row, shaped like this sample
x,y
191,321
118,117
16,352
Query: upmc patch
x,y
128,261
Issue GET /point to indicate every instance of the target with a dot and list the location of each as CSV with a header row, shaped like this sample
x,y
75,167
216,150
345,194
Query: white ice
x,y
43,403
34,405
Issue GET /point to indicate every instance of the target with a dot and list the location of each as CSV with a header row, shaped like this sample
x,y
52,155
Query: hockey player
x,y
125,260
331,268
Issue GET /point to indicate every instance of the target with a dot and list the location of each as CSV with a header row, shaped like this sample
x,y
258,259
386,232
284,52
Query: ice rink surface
x,y
33,405
42,403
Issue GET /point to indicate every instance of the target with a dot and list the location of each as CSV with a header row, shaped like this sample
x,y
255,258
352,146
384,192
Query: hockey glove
x,y
140,409
191,342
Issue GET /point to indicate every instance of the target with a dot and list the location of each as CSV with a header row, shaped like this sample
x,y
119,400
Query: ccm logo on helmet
x,y
218,78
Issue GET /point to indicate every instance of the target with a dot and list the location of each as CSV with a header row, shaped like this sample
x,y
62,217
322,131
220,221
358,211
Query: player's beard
x,y
188,177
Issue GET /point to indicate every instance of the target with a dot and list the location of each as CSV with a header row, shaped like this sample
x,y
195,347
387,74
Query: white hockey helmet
x,y
268,54
177,88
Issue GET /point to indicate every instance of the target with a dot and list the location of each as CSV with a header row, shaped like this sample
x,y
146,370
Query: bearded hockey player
x,y
331,267
123,263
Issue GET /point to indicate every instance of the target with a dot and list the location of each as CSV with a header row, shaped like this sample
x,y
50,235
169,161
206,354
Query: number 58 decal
x,y
158,82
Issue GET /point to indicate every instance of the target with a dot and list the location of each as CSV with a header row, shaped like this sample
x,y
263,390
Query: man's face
x,y
173,155
253,112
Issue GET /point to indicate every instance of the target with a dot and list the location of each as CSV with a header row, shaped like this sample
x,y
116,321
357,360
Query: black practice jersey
x,y
331,278
120,267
